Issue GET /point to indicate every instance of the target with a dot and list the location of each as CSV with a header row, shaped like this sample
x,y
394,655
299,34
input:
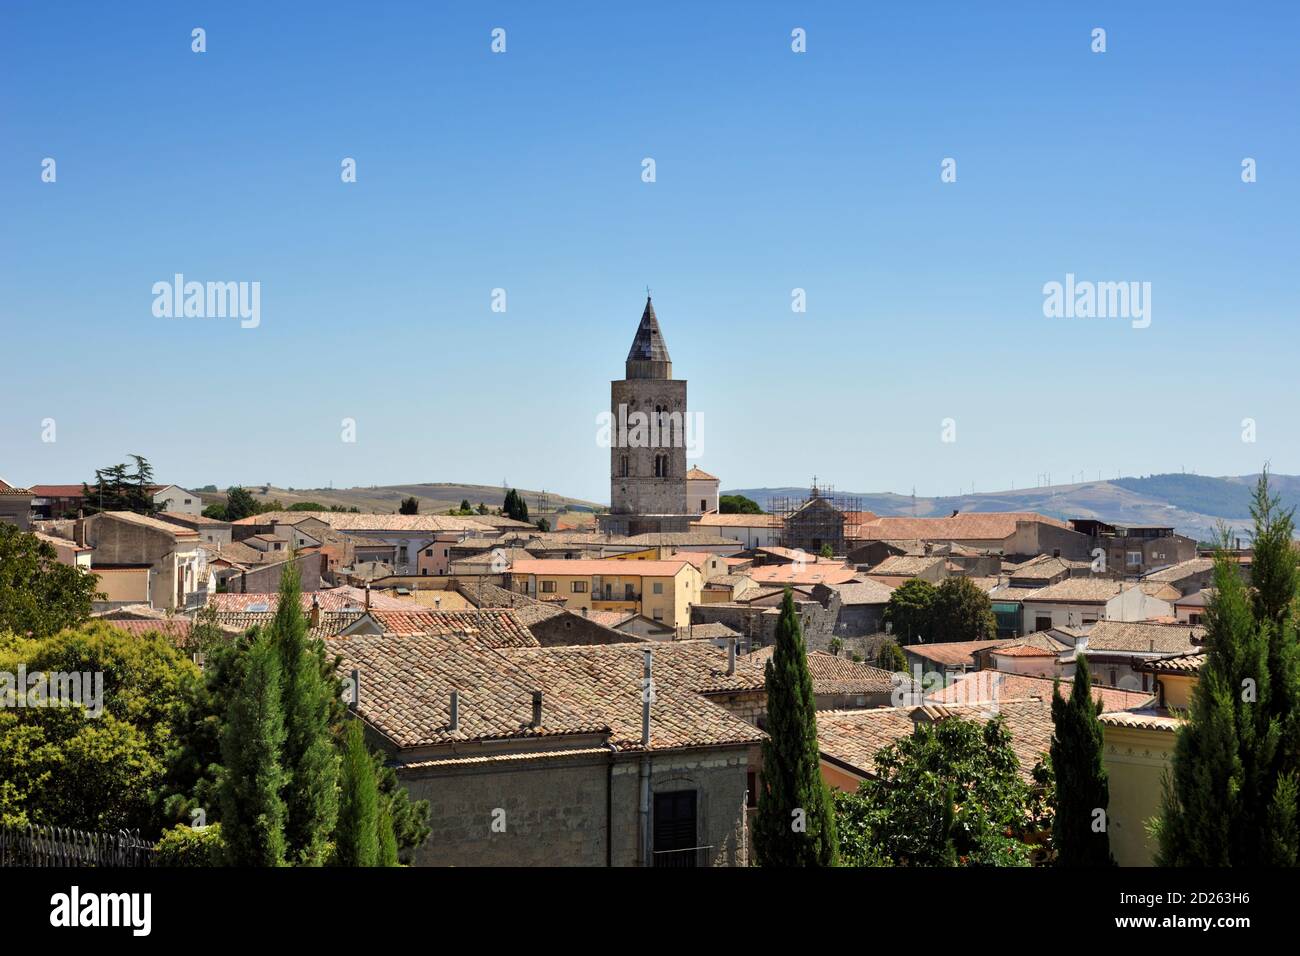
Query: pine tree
x,y
795,822
252,810
1082,787
309,758
387,838
356,840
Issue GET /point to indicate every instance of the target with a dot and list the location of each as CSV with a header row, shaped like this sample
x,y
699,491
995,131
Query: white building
x,y
752,531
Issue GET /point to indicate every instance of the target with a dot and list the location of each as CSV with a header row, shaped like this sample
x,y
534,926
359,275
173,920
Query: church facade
x,y
647,454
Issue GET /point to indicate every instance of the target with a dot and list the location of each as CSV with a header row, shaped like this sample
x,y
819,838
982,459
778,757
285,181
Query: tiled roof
x,y
675,539
648,344
491,627
406,683
1078,591
1143,637
1009,594
854,737
821,572
330,623
176,628
952,652
714,631
334,599
57,491
606,679
61,542
8,489
600,566
1145,719
198,521
905,565
349,521
699,474
1179,664
836,675
990,685
1182,570
713,520
141,521
970,527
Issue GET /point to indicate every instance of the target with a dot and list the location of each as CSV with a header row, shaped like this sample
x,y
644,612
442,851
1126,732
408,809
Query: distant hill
x,y
1192,504
434,498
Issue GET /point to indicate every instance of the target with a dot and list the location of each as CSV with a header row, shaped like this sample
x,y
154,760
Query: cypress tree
x,y
1081,784
309,757
252,810
1222,797
795,821
356,841
387,838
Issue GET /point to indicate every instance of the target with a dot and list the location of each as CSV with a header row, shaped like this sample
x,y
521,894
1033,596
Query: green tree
x,y
239,504
409,818
1080,825
891,657
356,842
738,505
216,511
482,508
39,595
252,779
795,822
949,794
909,610
961,612
409,506
308,757
515,507
306,506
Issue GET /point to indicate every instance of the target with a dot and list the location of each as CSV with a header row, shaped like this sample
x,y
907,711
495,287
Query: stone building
x,y
648,438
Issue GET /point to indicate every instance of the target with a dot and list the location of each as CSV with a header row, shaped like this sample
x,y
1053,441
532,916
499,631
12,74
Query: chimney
x,y
731,656
314,617
355,702
454,723
584,612
537,710
437,605
647,691
367,595
79,530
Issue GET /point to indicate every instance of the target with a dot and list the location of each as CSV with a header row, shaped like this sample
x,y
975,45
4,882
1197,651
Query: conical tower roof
x,y
648,357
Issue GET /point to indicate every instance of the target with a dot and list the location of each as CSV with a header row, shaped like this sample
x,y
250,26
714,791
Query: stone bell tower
x,y
647,456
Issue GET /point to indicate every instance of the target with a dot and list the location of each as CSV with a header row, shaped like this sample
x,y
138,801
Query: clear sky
x,y
774,170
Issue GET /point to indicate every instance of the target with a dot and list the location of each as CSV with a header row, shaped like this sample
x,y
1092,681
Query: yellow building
x,y
662,590
1137,751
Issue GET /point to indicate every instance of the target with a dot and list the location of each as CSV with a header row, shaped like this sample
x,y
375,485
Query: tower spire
x,y
648,357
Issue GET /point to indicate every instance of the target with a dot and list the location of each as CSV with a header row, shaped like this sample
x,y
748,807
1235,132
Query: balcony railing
x,y
689,857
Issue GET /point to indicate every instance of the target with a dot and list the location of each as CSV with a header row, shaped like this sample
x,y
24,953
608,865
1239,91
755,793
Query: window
x,y
674,828
424,570
578,587
657,587
1056,552
548,587
704,505
428,552
629,593
187,500
1042,623
1133,559
622,467
659,614
751,789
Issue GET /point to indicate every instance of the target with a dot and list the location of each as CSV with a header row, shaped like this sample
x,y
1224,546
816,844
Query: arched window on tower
x,y
622,466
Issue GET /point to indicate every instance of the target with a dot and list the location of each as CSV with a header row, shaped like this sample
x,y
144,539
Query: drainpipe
x,y
647,855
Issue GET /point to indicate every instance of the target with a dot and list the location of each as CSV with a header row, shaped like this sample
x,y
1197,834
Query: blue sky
x,y
522,171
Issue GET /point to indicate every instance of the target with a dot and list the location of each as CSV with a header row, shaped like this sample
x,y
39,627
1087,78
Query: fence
x,y
62,846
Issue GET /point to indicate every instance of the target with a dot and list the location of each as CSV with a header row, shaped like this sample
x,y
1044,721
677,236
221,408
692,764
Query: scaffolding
x,y
809,528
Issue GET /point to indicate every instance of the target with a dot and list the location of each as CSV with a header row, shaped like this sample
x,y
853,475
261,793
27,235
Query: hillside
x,y
1192,504
434,498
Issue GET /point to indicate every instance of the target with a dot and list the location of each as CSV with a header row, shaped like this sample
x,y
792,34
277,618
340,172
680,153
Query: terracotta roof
x,y
1179,664
1143,637
57,491
671,539
349,521
1146,719
974,526
952,652
1181,570
714,520
1078,591
812,573
990,685
854,737
61,542
905,565
863,592
491,627
600,566
699,474
334,599
176,628
141,521
1008,594
330,623
836,675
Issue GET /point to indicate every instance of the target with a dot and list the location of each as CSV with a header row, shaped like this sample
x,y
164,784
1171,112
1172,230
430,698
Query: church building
x,y
647,457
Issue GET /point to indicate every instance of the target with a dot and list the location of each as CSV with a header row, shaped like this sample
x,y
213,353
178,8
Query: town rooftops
x,y
1148,718
1186,664
8,489
853,738
699,474
952,653
1143,637
334,599
862,592
152,524
990,685
1078,591
605,567
904,566
715,520
350,521
976,526
1182,570
835,675
490,627
678,539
